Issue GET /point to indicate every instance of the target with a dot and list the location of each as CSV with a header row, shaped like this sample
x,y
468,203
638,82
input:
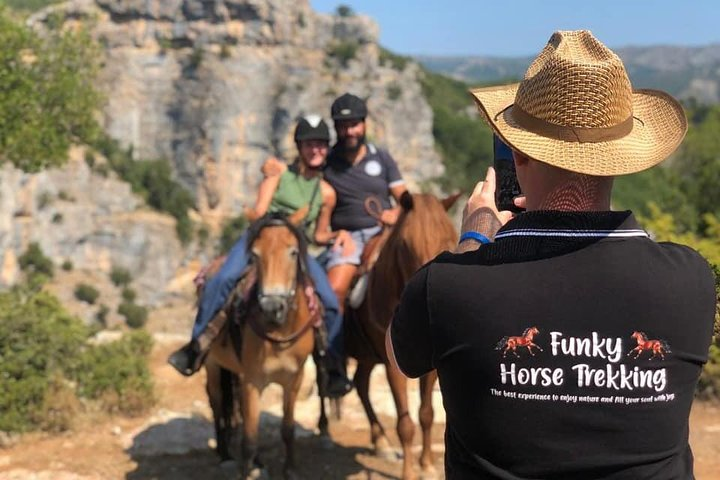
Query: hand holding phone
x,y
507,187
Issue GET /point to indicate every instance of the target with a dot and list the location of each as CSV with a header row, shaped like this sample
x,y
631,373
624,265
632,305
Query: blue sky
x,y
522,27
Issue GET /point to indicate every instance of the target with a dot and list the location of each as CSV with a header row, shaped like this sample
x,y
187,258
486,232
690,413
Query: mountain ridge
x,y
685,72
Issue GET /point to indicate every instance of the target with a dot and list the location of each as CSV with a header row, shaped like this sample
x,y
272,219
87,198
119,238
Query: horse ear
x,y
299,215
406,201
448,202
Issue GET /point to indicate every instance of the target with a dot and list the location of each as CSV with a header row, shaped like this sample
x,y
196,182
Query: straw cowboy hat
x,y
575,109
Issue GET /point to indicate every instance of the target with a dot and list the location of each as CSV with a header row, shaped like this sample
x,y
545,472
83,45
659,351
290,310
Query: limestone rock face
x,y
93,223
215,87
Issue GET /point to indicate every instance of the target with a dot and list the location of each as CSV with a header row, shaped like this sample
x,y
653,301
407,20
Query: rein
x,y
290,339
373,206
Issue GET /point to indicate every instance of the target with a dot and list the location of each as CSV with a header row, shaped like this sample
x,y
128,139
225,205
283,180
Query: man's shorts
x,y
360,237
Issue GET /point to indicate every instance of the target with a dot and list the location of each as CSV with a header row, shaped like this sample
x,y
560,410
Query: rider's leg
x,y
340,277
214,295
338,383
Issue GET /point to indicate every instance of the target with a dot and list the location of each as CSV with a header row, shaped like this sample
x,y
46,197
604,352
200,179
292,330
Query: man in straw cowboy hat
x,y
568,343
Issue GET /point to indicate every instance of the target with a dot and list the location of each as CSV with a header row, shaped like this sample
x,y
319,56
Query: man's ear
x,y
520,158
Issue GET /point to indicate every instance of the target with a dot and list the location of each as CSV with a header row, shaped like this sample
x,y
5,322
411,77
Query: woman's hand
x,y
344,242
273,167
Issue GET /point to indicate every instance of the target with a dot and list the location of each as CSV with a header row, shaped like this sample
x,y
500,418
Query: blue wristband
x,y
478,237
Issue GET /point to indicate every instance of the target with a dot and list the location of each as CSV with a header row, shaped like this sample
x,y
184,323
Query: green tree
x,y
48,99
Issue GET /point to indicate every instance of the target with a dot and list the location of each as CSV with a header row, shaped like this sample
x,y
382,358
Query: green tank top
x,y
295,191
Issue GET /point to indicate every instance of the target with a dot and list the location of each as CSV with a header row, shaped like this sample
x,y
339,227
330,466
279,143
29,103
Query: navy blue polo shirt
x,y
569,348
373,175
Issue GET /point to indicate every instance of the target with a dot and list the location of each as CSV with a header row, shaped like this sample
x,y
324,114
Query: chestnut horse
x,y
422,231
268,341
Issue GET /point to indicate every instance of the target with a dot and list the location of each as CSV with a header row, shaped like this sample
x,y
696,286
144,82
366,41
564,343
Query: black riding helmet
x,y
348,107
312,127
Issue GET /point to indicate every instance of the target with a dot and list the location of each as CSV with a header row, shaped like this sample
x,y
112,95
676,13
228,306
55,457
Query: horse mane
x,y
422,231
642,334
276,219
526,331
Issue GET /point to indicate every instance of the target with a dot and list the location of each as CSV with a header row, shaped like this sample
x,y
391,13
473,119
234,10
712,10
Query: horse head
x,y
277,248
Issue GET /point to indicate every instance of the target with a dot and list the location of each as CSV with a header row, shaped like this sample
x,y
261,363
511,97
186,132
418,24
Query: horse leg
x,y
426,415
250,406
214,386
290,393
405,427
377,432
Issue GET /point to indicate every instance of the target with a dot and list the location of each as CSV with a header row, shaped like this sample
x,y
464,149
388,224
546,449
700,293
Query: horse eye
x,y
294,252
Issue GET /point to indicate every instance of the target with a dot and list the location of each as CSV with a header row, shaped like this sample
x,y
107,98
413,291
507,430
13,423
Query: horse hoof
x,y
428,473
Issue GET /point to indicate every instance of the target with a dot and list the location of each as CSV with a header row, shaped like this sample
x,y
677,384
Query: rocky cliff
x,y
214,86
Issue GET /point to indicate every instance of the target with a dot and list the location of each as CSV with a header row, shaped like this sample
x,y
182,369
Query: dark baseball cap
x,y
348,107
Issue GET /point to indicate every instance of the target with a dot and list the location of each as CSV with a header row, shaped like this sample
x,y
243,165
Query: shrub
x,y
397,62
46,364
120,276
344,11
39,345
65,196
225,51
49,97
35,261
135,315
196,58
394,91
57,218
101,315
90,159
343,51
231,231
86,293
67,265
44,199
116,374
153,180
709,385
129,295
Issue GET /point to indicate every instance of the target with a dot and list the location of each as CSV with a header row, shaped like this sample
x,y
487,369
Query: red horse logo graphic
x,y
525,340
657,347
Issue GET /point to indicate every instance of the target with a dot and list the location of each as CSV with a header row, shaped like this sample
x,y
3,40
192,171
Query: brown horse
x,y
657,347
422,231
267,342
510,344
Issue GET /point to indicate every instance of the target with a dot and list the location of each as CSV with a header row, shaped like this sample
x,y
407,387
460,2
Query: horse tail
x,y
665,345
502,343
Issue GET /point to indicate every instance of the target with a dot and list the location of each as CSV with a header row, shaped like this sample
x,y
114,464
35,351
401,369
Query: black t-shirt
x,y
569,348
374,175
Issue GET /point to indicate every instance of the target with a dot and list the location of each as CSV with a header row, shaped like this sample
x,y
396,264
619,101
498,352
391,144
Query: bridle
x,y
286,300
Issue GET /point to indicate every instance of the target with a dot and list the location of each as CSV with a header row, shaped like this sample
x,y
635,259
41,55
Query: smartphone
x,y
506,187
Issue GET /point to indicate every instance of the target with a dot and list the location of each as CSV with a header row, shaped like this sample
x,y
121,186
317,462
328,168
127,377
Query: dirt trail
x,y
172,442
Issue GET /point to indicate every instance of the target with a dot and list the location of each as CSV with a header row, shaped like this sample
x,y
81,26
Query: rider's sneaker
x,y
186,359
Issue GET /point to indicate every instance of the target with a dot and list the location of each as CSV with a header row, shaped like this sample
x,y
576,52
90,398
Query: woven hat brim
x,y
659,127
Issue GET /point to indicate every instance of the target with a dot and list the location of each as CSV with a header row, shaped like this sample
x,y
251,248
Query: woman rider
x,y
301,185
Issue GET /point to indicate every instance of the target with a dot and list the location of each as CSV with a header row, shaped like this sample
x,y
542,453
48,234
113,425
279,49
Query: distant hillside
x,y
686,72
